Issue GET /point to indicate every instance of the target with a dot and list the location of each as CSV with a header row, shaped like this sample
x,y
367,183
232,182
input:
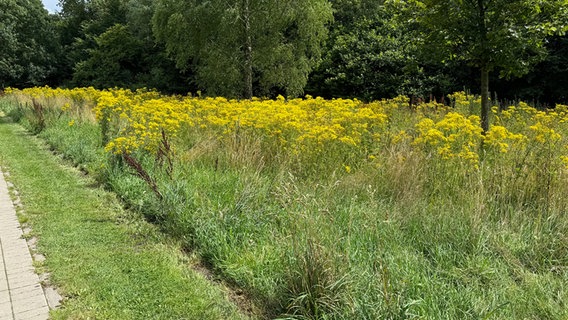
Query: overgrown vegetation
x,y
108,263
340,209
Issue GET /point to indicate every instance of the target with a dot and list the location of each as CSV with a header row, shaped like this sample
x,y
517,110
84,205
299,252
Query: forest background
x,y
364,49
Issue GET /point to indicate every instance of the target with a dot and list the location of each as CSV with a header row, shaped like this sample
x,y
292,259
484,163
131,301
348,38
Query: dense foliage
x,y
243,47
372,53
507,35
27,49
368,49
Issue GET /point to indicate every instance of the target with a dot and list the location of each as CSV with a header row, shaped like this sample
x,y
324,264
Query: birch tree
x,y
241,48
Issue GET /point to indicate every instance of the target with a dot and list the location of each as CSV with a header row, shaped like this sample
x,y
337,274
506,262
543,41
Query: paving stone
x,y
4,296
32,242
22,281
29,304
53,298
28,291
17,264
37,317
21,295
6,310
20,269
13,258
38,313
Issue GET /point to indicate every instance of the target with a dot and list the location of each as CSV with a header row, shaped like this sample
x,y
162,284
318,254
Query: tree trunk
x,y
484,98
248,51
481,6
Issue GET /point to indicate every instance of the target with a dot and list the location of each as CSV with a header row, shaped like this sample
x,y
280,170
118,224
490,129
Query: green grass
x,y
107,262
413,238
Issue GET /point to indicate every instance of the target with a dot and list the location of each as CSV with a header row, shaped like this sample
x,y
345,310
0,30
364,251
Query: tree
x,y
110,43
81,22
114,62
27,40
371,55
508,35
244,47
156,69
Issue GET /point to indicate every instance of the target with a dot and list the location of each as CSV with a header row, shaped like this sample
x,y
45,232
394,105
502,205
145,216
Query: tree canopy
x,y
26,53
508,35
374,54
369,49
241,47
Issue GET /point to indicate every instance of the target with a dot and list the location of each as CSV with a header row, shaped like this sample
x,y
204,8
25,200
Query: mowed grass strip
x,y
108,263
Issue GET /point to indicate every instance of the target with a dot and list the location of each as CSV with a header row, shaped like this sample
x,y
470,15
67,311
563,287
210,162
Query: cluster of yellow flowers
x,y
298,124
502,140
455,136
77,95
142,119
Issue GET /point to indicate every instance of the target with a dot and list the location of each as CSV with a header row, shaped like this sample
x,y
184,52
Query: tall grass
x,y
397,230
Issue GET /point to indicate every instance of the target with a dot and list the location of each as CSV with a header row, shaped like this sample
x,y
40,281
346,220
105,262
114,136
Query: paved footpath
x,y
21,295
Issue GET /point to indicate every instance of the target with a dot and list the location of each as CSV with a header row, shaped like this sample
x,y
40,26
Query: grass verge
x,y
108,263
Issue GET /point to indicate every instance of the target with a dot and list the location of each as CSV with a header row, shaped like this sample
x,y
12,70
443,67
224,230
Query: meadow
x,y
336,209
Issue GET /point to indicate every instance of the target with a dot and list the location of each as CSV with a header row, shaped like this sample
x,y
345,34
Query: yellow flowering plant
x,y
453,137
345,131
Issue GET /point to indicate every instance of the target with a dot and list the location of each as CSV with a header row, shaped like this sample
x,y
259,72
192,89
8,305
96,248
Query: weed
x,y
38,123
314,286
